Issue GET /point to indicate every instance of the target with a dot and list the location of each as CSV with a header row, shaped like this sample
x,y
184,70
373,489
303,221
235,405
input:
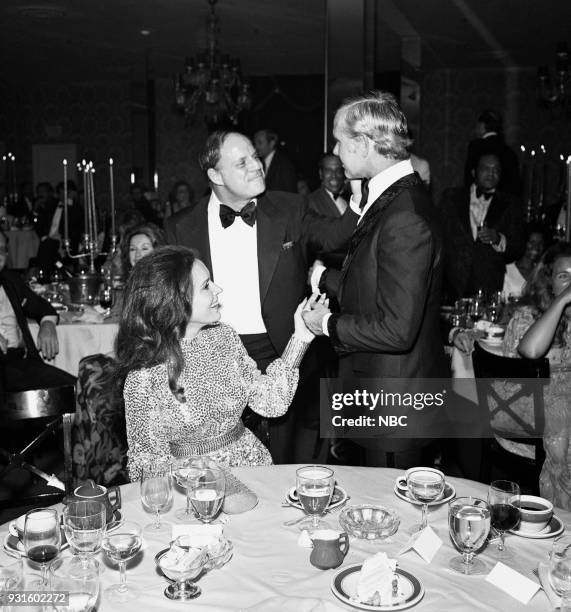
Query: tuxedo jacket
x,y
26,305
281,175
75,221
287,231
389,290
322,203
471,265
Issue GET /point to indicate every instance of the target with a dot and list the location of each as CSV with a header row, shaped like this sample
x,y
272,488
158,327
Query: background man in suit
x,y
255,245
280,172
489,139
483,231
389,286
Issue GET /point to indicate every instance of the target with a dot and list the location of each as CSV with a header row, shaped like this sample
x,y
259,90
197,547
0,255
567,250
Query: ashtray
x,y
369,522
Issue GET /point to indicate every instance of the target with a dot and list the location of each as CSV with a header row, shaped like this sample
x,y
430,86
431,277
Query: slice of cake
x,y
378,582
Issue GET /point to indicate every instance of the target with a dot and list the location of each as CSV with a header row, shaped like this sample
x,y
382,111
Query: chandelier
x,y
212,86
557,92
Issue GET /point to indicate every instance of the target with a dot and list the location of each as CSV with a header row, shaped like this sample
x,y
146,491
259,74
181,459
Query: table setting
x,y
360,556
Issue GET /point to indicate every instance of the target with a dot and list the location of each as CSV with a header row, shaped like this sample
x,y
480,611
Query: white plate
x,y
344,587
492,341
553,529
448,494
339,497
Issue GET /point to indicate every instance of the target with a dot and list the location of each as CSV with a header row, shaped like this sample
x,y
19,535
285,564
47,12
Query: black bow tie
x,y
248,214
364,193
486,195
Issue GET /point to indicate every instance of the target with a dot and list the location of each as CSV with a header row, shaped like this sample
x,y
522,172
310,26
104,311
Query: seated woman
x,y
186,377
542,328
140,241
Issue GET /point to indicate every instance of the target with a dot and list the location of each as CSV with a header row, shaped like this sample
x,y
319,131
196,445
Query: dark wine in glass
x,y
503,499
43,553
504,516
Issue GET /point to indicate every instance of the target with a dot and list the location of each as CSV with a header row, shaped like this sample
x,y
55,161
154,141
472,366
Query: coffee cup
x,y
535,513
495,333
401,481
94,492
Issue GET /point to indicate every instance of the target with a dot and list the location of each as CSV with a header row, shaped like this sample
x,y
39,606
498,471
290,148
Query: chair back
x,y
37,403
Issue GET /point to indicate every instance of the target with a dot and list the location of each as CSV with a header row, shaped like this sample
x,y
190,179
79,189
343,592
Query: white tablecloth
x,y
78,340
269,569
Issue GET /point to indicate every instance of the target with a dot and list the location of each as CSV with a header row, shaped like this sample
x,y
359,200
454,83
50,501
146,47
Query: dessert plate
x,y
448,494
339,497
554,528
344,587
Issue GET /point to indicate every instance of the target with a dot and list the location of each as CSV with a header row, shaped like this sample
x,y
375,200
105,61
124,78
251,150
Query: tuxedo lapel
x,y
271,224
495,210
192,231
329,204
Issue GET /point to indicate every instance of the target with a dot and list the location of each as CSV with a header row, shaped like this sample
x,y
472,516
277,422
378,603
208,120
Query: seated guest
x,y
181,196
113,265
542,328
186,377
22,367
140,241
137,200
519,272
482,231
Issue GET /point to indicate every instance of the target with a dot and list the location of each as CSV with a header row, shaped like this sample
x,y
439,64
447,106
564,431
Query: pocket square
x,y
287,245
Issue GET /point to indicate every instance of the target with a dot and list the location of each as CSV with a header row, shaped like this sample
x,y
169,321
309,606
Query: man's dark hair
x,y
210,154
492,121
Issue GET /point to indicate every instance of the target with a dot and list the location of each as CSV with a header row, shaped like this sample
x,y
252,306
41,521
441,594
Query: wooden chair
x,y
50,408
505,385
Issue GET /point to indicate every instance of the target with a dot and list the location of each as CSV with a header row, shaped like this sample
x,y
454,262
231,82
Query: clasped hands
x,y
308,316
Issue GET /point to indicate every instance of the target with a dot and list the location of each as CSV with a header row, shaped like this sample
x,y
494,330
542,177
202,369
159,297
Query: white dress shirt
x,y
339,201
9,327
234,253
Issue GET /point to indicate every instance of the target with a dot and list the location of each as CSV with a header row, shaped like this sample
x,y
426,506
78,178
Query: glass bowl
x,y
189,573
218,557
369,522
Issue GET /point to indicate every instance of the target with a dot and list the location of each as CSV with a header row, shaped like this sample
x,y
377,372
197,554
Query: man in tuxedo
x,y
255,244
389,287
21,366
489,139
483,231
280,172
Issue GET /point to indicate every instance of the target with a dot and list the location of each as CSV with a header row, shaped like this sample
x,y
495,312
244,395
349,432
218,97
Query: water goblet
x,y
425,485
156,492
503,498
121,544
206,489
42,540
314,486
560,570
81,582
469,525
186,470
84,523
11,571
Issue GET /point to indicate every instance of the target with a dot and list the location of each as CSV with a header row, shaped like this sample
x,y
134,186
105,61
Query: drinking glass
x,y
469,525
184,472
121,544
206,489
42,539
106,299
84,523
11,571
314,485
425,485
156,492
81,582
503,498
560,570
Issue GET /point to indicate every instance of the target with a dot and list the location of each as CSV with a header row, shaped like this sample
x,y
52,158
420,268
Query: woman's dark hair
x,y
157,306
154,234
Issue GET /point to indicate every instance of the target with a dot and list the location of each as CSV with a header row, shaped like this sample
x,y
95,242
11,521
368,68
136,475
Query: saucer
x,y
344,587
13,544
448,494
117,520
339,497
553,529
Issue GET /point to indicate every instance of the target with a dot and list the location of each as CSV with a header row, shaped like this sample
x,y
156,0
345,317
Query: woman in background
x,y
181,196
520,271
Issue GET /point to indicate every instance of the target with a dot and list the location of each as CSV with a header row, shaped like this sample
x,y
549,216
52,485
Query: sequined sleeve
x,y
140,412
271,394
520,322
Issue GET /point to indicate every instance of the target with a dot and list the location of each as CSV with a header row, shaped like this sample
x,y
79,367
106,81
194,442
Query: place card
x,y
426,543
513,583
198,531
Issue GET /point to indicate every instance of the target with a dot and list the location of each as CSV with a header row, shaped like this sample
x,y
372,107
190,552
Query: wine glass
x,y
121,544
314,485
106,299
156,492
42,539
206,489
560,570
183,573
184,472
11,571
84,523
503,498
81,582
425,485
469,525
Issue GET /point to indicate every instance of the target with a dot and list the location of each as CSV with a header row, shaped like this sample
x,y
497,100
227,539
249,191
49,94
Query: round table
x,y
270,571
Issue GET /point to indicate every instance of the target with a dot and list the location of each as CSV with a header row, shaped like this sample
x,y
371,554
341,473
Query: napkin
x,y
89,315
554,599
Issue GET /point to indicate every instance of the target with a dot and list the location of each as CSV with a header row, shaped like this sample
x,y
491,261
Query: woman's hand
x,y
317,303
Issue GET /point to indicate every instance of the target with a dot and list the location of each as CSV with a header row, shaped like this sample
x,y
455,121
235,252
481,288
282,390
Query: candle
x,y
94,209
132,178
541,180
85,205
531,185
65,226
111,185
156,181
568,209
